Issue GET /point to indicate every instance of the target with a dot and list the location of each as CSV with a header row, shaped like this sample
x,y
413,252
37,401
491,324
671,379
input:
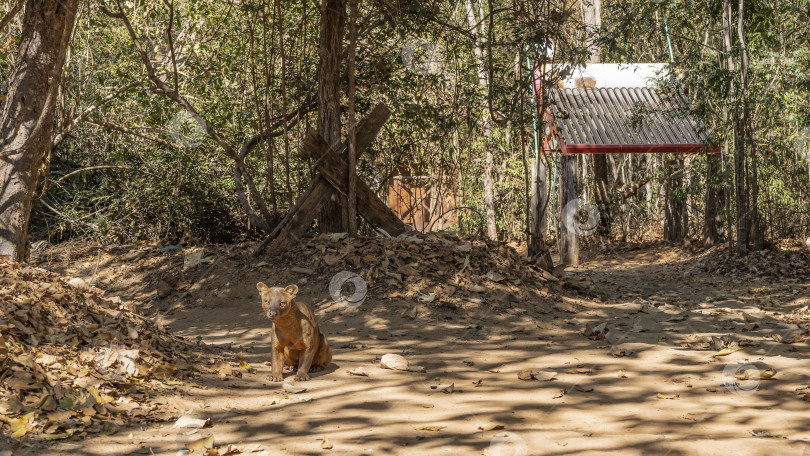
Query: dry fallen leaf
x,y
229,450
331,260
294,389
791,337
495,276
326,444
491,426
189,421
767,374
668,396
430,428
725,352
358,371
544,376
198,446
244,365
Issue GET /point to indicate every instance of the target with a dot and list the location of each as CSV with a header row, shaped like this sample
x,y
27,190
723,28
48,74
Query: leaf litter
x,y
74,363
439,268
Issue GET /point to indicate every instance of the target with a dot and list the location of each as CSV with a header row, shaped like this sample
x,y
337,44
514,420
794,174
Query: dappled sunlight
x,y
651,381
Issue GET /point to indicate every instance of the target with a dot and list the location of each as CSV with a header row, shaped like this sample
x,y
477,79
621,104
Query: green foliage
x,y
228,62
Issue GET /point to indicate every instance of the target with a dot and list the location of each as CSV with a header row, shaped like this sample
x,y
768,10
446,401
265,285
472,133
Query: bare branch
x,y
129,131
72,220
72,123
110,13
10,14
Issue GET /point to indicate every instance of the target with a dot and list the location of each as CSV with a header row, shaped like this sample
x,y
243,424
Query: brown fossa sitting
x,y
296,338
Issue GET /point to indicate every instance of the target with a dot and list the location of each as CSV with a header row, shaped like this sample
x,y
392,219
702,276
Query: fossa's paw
x,y
275,379
301,377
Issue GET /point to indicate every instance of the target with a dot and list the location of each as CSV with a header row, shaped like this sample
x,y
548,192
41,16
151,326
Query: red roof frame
x,y
571,149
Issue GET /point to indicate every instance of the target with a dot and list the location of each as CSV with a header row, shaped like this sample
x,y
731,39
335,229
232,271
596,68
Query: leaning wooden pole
x,y
299,218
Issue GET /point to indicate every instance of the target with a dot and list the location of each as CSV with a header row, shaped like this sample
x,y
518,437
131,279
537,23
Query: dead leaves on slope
x,y
440,269
74,363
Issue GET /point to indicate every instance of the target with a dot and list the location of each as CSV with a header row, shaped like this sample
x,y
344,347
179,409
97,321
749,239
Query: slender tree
x,y
333,25
477,31
592,10
26,124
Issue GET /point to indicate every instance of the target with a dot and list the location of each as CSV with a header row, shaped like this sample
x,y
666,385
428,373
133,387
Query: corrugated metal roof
x,y
628,117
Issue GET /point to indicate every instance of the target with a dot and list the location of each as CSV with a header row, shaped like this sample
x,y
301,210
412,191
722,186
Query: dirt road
x,y
630,357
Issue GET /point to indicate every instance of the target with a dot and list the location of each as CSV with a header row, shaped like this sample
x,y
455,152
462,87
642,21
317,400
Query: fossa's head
x,y
276,301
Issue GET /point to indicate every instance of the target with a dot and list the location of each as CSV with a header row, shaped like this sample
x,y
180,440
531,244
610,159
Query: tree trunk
x,y
757,235
351,203
674,202
489,160
333,24
754,219
592,11
592,15
26,124
713,219
600,170
739,140
569,242
539,203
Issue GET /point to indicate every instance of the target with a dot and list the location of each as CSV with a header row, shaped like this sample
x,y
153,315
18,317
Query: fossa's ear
x,y
262,287
291,290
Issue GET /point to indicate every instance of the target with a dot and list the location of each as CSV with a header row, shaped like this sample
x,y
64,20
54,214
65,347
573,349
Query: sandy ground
x,y
655,397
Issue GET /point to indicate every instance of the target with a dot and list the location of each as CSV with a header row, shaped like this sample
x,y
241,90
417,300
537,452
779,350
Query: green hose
x,y
669,43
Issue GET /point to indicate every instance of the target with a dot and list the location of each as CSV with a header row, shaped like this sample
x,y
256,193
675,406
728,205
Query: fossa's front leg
x,y
277,358
306,360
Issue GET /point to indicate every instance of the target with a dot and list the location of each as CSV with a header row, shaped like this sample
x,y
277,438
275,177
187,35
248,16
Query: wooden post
x,y
539,203
569,243
539,199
